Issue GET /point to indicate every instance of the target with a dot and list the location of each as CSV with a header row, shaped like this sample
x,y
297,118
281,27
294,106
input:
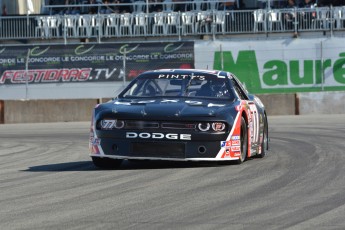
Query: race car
x,y
179,115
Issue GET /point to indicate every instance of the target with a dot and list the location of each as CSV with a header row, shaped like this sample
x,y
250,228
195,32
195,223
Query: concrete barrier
x,y
34,111
322,103
279,104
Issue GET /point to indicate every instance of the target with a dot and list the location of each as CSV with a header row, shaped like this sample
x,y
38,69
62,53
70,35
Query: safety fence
x,y
172,24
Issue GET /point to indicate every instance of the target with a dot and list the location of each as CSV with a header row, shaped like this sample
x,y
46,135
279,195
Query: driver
x,y
213,88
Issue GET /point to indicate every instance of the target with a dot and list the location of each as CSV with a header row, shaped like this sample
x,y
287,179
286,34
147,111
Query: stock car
x,y
179,115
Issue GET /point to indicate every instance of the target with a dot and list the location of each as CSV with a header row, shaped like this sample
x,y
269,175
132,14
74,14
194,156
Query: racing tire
x,y
106,163
244,141
264,144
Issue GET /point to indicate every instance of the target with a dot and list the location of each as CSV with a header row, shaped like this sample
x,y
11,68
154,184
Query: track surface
x,y
47,181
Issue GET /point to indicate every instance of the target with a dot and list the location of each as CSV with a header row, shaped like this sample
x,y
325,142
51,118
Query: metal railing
x,y
171,24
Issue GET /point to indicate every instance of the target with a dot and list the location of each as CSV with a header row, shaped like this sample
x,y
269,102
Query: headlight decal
x,y
218,126
204,127
111,124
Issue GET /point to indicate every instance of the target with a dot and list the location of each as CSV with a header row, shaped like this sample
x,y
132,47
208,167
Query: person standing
x,y
4,10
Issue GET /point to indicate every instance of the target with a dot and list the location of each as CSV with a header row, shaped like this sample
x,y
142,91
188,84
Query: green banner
x,y
283,75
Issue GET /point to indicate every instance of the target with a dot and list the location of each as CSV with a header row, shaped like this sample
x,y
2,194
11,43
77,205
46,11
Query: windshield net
x,y
195,86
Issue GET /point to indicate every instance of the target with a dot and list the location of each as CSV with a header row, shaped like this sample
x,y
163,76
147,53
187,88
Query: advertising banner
x,y
278,66
89,63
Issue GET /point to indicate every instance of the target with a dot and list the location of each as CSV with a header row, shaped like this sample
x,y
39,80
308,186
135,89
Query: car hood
x,y
164,108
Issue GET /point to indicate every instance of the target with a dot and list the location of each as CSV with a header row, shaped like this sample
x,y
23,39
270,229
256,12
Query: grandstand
x,y
171,20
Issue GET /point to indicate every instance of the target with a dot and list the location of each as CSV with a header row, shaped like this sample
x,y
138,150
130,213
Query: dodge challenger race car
x,y
181,115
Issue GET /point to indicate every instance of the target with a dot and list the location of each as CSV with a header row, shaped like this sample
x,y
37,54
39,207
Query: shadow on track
x,y
126,165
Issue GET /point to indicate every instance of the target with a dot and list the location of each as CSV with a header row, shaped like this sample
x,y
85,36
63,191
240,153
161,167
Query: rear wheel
x,y
264,144
106,163
244,141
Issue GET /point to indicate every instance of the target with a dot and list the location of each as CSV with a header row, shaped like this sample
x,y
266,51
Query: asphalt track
x,y
47,181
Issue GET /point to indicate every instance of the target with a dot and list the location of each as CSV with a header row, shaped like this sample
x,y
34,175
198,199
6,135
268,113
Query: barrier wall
x,y
322,103
35,111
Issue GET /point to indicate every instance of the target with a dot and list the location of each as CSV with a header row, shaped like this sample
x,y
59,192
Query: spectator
x,y
307,4
93,9
266,4
338,2
115,8
73,7
57,10
4,10
308,15
155,6
179,5
105,8
228,5
125,8
290,16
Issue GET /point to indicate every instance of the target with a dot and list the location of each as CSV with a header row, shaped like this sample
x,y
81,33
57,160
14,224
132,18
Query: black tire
x,y
264,144
244,141
106,163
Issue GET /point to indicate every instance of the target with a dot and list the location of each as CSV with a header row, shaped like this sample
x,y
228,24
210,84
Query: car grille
x,y
158,125
158,149
141,125
189,126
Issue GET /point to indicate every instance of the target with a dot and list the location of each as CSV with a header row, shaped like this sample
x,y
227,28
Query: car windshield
x,y
191,86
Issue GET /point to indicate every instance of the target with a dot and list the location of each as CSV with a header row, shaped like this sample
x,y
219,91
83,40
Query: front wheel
x,y
106,163
244,141
264,144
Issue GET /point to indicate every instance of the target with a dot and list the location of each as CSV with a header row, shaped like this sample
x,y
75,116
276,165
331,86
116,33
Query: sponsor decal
x,y
95,141
169,101
236,142
170,48
235,148
170,136
34,52
219,125
225,144
194,102
235,138
45,76
215,105
121,103
125,49
237,154
238,108
80,50
143,102
181,76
